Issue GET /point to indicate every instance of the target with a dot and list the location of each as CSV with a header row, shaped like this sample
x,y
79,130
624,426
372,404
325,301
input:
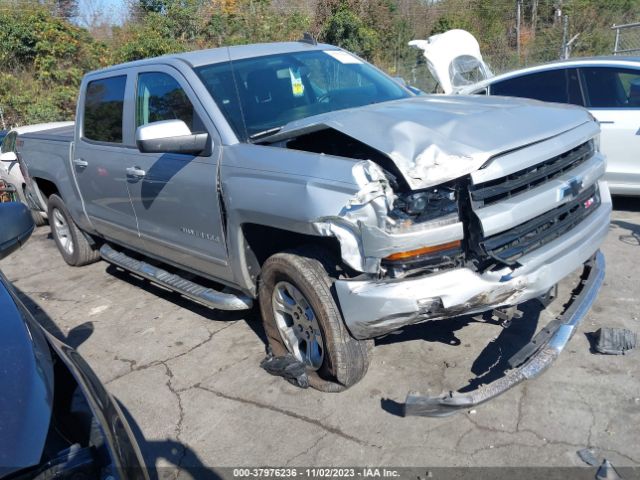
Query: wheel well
x,y
264,241
47,187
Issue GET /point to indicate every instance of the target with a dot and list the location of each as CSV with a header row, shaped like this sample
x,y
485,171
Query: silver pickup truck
x,y
298,175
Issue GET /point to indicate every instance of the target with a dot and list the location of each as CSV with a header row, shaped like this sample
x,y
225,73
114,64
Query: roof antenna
x,y
308,38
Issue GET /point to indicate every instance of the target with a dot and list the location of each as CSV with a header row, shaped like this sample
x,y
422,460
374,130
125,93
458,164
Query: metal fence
x,y
627,39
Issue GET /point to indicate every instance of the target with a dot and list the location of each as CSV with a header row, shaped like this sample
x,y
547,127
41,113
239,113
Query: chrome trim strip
x,y
449,403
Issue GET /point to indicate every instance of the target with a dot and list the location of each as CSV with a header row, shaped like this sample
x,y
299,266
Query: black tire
x,y
346,359
82,252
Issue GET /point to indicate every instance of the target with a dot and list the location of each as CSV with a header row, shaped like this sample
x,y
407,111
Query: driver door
x,y
175,196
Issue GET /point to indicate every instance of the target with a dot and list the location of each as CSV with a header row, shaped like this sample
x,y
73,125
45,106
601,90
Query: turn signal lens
x,y
424,251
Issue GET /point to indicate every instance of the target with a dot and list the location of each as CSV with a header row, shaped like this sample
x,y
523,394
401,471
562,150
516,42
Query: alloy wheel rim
x,y
63,233
298,325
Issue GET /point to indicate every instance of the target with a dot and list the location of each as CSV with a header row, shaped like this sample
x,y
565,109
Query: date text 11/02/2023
x,y
361,472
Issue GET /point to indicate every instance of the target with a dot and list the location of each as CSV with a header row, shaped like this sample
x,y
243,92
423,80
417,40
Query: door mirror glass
x,y
8,157
17,226
171,136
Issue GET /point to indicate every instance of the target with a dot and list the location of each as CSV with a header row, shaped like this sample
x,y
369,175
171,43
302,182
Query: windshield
x,y
259,95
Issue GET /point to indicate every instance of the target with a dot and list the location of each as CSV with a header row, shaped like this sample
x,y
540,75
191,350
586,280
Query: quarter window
x,y
607,87
160,97
103,108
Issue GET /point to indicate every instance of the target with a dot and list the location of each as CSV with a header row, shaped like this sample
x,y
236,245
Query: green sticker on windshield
x,y
297,87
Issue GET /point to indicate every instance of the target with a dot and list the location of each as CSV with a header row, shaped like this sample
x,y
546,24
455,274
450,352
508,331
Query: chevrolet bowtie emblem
x,y
572,188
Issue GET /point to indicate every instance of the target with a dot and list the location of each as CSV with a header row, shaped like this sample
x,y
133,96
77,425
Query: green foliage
x,y
44,59
347,30
44,56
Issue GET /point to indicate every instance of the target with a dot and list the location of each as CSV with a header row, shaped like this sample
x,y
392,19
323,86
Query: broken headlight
x,y
426,205
433,207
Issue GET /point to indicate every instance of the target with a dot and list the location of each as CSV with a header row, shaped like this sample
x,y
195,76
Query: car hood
x,y
436,138
26,385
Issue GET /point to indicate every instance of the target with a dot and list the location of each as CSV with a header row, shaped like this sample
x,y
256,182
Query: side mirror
x,y
170,136
9,157
17,226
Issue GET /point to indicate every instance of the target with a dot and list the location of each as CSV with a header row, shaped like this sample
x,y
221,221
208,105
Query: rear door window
x,y
103,109
550,86
160,97
610,87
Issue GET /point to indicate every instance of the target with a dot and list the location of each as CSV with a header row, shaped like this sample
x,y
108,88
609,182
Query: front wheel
x,y
73,245
300,316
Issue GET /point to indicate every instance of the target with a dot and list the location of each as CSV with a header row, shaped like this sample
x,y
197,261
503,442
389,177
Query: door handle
x,y
136,172
606,122
79,162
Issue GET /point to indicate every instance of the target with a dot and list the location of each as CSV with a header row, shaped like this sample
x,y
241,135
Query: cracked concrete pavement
x,y
190,382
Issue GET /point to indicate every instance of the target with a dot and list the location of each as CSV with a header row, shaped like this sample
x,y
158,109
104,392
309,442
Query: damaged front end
x,y
430,234
387,234
529,362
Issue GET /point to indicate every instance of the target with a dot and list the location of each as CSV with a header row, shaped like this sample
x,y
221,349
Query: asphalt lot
x,y
190,380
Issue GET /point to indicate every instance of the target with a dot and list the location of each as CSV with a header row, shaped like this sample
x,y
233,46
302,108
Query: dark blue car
x,y
56,418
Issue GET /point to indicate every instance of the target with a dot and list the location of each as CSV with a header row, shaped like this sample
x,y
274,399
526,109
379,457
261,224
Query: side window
x,y
546,86
103,108
160,97
609,87
574,93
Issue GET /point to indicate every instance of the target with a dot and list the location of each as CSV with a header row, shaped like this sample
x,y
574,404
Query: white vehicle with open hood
x,y
298,175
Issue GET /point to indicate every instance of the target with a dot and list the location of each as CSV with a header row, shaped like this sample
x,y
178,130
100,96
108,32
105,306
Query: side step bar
x,y
207,296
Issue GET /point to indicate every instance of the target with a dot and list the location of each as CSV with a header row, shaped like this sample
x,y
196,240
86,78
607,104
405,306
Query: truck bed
x,y
61,134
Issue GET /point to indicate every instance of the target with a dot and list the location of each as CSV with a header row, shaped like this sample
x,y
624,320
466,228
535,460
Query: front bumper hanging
x,y
530,361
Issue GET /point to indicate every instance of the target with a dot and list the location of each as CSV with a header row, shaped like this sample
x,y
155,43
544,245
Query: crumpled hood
x,y
433,139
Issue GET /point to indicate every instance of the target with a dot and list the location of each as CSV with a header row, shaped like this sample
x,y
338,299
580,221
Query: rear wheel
x,y
73,245
300,316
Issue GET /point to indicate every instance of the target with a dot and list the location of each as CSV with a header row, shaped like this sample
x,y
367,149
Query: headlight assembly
x,y
426,205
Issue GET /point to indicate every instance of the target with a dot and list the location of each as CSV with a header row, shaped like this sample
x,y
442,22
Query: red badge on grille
x,y
589,202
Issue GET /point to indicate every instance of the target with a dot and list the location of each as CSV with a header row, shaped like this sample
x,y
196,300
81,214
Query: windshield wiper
x,y
264,133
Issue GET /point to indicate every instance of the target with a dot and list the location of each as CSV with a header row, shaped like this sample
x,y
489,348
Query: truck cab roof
x,y
198,58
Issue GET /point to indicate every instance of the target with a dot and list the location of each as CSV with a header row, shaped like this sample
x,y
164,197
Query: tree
x,y
345,29
67,9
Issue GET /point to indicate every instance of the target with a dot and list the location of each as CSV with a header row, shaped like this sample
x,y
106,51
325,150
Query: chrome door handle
x,y
136,172
78,162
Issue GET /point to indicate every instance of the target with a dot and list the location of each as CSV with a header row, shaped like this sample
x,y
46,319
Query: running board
x,y
207,296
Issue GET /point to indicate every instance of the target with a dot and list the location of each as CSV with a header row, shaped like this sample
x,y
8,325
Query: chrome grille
x,y
530,177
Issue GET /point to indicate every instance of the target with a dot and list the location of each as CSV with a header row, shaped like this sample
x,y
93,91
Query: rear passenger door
x,y
176,197
613,96
99,160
